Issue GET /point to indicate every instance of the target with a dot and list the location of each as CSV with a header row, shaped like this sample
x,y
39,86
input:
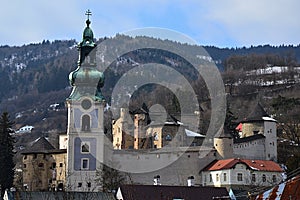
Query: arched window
x,y
86,123
85,147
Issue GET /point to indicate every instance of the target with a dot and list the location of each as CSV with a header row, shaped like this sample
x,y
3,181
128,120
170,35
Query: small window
x,y
168,137
224,177
25,157
253,178
53,165
34,156
210,178
89,184
41,165
24,166
217,177
274,178
85,147
264,178
79,184
60,164
240,177
85,163
156,138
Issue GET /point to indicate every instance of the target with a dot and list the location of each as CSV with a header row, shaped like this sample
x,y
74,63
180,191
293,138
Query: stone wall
x,y
250,150
188,163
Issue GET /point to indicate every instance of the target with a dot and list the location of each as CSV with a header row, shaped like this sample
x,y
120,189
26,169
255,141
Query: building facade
x,y
241,174
85,118
44,167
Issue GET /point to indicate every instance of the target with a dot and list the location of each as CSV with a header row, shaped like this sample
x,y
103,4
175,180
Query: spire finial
x,y
88,13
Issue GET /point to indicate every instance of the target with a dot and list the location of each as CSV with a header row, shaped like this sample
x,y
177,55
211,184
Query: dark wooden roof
x,y
257,114
66,195
161,192
249,138
42,145
225,133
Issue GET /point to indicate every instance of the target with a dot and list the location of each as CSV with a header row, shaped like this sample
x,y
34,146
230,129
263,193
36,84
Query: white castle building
x,y
88,147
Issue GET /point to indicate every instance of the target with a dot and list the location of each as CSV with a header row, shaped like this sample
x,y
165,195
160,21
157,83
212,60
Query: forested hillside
x,y
41,68
34,85
34,76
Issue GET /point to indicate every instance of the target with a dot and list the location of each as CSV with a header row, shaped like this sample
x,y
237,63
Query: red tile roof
x,y
286,190
258,165
239,127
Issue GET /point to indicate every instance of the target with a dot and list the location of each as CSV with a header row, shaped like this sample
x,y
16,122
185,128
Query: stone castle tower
x,y
224,145
85,118
258,139
260,123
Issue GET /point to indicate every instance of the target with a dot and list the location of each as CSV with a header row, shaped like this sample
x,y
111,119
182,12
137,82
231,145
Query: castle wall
x,y
177,173
250,150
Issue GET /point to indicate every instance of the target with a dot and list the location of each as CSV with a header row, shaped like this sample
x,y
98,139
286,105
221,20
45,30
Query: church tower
x,y
85,118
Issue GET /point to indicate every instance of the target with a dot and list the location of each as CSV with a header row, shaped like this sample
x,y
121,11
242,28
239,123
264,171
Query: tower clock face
x,y
86,104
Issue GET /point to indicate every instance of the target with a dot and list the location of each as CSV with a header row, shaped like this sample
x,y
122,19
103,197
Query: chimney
x,y
156,180
190,181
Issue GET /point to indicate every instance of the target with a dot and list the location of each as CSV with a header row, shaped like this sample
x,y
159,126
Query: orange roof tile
x,y
258,165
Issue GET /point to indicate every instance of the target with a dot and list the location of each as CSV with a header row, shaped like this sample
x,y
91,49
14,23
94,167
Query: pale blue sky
x,y
222,23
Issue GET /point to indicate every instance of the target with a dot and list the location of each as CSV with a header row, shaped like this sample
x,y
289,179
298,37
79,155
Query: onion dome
x,y
86,80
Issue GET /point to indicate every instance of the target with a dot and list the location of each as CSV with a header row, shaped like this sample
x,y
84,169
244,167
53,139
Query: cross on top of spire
x,y
88,13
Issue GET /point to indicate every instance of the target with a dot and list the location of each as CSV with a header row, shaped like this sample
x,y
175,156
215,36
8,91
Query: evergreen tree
x,y
6,153
230,123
